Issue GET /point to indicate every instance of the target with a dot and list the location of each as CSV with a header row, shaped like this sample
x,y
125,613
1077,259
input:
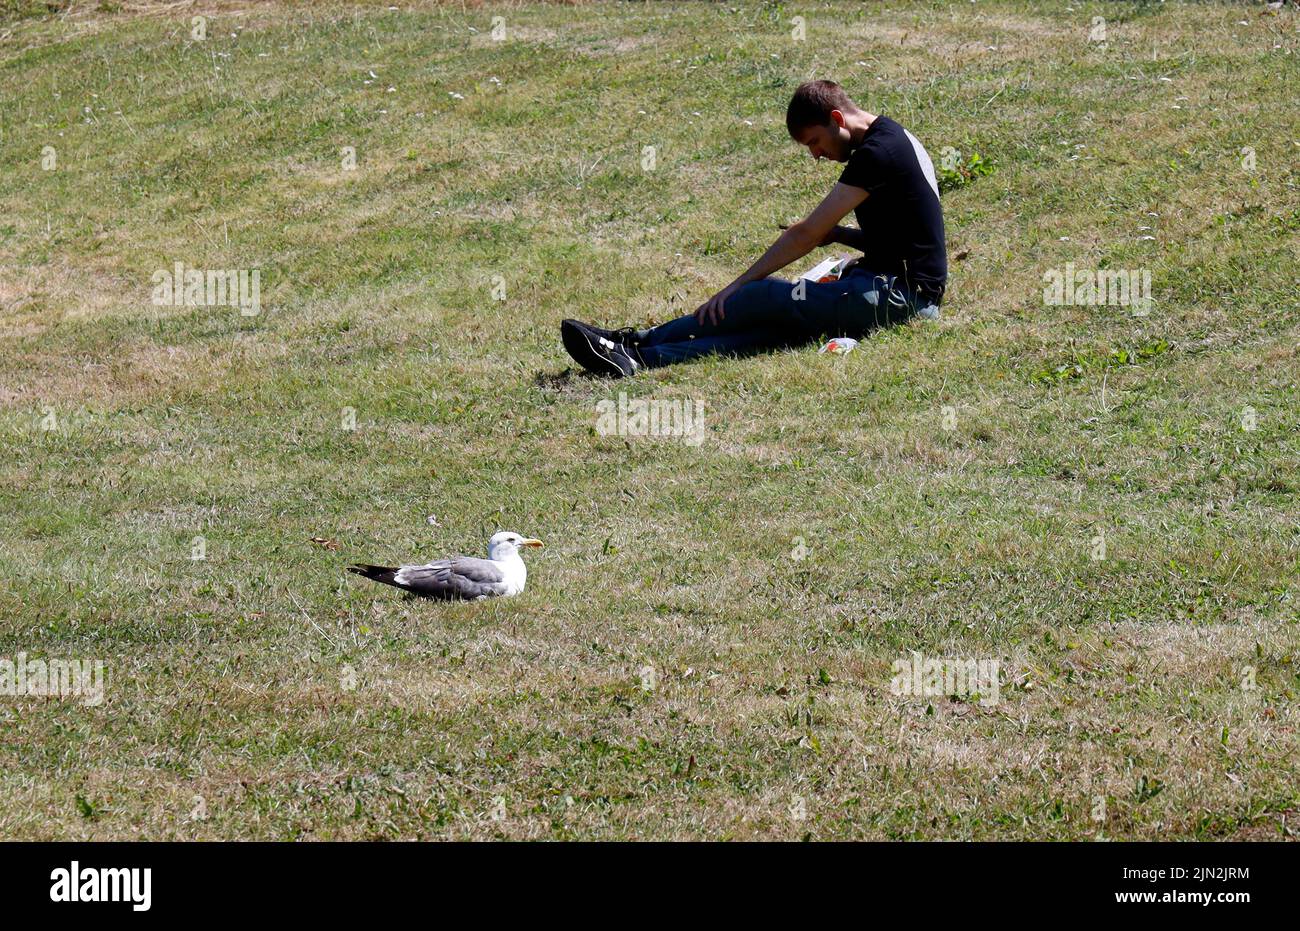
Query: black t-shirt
x,y
900,219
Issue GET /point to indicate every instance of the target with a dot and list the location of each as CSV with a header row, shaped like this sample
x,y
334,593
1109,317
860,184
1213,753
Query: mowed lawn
x,y
1105,503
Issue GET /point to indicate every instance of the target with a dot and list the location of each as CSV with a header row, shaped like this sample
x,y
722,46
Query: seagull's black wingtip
x,y
375,573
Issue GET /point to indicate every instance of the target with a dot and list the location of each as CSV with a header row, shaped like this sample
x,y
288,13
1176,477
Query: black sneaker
x,y
626,335
601,352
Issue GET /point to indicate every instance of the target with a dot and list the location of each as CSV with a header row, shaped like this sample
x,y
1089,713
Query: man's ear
x,y
838,118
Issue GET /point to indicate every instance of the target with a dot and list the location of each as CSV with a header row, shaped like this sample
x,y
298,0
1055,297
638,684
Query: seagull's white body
x,y
462,577
514,574
513,571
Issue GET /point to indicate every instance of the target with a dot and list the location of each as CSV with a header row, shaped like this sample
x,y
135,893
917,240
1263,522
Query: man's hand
x,y
713,310
830,239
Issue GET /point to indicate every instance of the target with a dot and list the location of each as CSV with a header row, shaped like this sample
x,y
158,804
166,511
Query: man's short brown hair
x,y
812,104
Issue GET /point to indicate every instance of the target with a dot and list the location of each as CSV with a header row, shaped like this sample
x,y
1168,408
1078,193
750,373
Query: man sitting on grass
x,y
888,183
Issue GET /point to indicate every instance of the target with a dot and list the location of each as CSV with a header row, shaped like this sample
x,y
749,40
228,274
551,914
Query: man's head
x,y
821,117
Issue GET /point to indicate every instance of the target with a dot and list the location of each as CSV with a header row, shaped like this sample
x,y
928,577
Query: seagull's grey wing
x,y
457,577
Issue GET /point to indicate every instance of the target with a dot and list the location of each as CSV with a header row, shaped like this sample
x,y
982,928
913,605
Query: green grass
x,y
1122,677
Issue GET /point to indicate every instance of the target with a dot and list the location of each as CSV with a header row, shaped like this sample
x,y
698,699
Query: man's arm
x,y
850,236
797,241
843,235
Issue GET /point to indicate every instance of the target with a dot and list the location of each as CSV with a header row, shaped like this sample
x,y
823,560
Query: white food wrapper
x,y
832,267
839,345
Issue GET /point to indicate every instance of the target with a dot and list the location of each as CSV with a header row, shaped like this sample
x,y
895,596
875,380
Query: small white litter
x,y
840,345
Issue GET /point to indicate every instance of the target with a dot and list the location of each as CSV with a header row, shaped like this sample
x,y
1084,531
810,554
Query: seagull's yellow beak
x,y
531,542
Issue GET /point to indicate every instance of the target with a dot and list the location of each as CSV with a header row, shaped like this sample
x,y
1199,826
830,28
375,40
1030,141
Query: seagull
x,y
461,577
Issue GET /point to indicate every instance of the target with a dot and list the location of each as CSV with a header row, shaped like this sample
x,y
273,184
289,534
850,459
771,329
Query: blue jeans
x,y
774,314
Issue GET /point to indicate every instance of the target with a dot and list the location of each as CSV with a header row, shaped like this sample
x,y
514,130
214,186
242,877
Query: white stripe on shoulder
x,y
923,157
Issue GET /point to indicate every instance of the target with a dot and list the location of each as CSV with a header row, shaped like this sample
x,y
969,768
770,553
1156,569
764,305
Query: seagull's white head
x,y
505,545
